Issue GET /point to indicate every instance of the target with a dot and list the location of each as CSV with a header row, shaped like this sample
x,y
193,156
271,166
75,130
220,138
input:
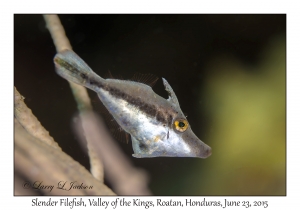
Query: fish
x,y
157,126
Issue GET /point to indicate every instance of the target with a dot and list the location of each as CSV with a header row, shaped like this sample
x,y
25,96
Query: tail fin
x,y
72,68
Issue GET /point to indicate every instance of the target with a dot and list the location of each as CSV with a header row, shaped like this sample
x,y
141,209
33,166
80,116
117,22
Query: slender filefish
x,y
157,126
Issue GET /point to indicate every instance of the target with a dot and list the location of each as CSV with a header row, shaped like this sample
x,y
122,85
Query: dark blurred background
x,y
228,72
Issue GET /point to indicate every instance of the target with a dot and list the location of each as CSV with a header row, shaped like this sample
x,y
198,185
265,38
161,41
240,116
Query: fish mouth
x,y
201,151
206,152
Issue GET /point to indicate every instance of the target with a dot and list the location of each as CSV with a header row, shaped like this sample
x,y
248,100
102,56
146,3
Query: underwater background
x,y
228,72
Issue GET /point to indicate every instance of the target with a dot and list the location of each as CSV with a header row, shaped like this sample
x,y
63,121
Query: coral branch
x,y
25,117
80,93
37,161
61,43
57,32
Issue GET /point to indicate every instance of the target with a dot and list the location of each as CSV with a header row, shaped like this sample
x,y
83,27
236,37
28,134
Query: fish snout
x,y
197,147
204,151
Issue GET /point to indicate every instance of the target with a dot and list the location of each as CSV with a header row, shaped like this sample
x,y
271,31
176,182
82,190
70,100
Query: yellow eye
x,y
181,125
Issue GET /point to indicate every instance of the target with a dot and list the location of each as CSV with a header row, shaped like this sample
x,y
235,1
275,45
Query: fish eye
x,y
181,125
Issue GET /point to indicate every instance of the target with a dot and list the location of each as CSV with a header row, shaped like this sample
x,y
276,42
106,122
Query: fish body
x,y
157,125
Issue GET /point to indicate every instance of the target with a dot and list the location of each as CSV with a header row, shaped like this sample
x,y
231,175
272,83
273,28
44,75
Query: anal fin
x,y
115,129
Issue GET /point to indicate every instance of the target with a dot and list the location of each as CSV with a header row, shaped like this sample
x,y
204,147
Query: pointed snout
x,y
204,151
197,147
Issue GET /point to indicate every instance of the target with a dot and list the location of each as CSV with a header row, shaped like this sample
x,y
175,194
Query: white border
x,y
8,8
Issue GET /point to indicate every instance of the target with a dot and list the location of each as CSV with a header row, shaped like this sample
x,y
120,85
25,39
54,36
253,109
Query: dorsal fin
x,y
172,96
148,79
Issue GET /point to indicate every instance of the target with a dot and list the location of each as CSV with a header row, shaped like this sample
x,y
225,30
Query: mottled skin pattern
x,y
146,116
